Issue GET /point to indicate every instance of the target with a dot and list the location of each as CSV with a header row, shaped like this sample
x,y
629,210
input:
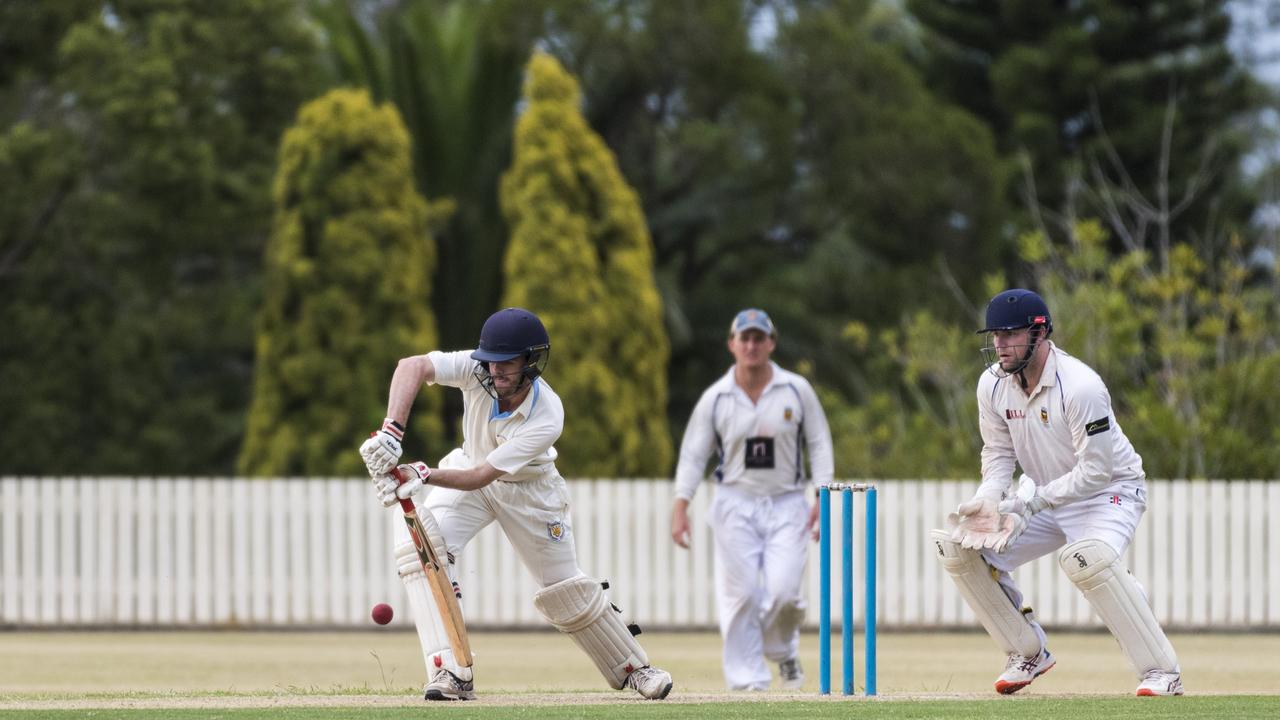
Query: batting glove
x,y
412,477
382,450
384,486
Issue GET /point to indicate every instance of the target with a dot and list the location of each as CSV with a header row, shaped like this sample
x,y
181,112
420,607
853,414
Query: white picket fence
x,y
229,552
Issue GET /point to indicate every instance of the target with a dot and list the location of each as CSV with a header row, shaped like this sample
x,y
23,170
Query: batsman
x,y
1080,495
504,471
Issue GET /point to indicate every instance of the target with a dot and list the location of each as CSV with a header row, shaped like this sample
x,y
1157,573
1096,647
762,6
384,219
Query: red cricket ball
x,y
382,613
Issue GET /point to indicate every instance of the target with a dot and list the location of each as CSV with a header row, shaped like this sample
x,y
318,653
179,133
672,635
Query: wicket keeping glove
x,y
382,450
1016,511
1025,502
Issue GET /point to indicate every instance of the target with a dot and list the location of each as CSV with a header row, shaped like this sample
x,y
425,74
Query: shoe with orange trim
x,y
1019,671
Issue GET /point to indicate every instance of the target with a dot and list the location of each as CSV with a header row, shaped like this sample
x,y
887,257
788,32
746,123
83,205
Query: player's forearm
x,y
465,478
410,375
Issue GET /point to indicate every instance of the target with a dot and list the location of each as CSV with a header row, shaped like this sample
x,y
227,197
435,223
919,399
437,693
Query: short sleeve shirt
x,y
521,442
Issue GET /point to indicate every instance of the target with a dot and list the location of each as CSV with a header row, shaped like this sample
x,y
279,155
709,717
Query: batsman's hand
x,y
411,476
384,486
382,450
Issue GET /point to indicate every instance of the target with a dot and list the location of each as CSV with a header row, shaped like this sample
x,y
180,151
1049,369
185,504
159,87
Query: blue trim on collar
x,y
495,415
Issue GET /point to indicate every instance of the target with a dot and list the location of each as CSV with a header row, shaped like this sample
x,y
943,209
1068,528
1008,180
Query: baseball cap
x,y
752,319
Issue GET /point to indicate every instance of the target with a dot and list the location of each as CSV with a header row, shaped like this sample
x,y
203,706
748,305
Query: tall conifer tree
x,y
580,256
1052,78
348,269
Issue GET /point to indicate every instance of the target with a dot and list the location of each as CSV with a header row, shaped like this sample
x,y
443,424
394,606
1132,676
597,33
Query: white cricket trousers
x,y
1110,516
761,546
533,514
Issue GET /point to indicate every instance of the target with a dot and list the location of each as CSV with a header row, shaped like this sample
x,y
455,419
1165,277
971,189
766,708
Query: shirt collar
x,y
524,409
1049,375
774,378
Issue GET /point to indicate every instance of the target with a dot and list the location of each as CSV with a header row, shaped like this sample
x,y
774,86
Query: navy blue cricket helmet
x,y
508,334
1015,309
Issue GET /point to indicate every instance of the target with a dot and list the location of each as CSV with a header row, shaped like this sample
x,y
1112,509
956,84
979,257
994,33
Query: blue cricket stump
x,y
869,590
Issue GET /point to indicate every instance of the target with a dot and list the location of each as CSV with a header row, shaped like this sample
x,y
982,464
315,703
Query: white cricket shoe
x,y
1159,682
445,685
1019,671
650,682
791,674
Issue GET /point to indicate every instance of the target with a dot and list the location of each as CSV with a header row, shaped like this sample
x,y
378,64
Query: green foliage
x,y
453,71
1051,79
580,256
347,289
136,144
1188,347
920,424
807,171
1188,351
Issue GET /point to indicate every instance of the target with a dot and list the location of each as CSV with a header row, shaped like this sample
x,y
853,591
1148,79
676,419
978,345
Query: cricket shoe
x,y
650,682
1159,682
445,685
790,674
1019,671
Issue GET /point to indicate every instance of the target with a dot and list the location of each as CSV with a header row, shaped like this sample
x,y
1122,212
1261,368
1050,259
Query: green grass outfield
x,y
543,675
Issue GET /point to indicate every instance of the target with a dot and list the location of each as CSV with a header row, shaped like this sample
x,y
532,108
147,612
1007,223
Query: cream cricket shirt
x,y
1064,434
518,443
759,444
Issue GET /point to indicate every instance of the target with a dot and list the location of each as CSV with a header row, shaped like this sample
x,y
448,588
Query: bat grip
x,y
406,504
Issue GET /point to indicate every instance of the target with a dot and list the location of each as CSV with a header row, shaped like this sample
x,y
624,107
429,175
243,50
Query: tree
x,y
453,71
581,257
788,159
137,149
347,276
1051,79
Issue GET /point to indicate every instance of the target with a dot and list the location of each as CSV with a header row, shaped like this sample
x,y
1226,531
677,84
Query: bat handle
x,y
406,504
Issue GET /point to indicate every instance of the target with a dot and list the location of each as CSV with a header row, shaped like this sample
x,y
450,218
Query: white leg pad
x,y
578,607
1094,567
436,651
1006,624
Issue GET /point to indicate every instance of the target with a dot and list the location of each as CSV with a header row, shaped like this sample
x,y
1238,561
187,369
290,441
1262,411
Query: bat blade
x,y
443,589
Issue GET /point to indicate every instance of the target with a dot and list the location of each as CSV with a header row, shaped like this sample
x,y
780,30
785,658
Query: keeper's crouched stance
x,y
1081,495
504,471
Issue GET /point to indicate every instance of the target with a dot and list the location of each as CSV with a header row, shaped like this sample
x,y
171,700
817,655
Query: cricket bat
x,y
442,588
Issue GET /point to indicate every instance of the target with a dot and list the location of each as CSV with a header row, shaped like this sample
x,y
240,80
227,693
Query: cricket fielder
x,y
504,471
760,421
1081,495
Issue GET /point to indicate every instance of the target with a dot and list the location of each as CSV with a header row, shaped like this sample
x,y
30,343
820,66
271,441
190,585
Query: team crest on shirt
x,y
1044,415
786,414
556,530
